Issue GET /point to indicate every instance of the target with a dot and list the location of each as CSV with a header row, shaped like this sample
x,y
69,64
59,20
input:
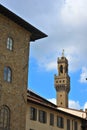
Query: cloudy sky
x,y
65,23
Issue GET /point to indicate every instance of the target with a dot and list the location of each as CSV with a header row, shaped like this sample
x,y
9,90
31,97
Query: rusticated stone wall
x,y
14,94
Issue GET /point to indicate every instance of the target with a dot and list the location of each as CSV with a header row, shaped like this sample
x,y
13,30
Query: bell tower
x,y
62,82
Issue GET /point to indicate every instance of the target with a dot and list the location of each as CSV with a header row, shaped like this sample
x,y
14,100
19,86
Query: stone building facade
x,y
15,38
42,114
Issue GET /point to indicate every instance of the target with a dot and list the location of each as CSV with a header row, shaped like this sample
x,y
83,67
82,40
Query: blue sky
x,y
65,23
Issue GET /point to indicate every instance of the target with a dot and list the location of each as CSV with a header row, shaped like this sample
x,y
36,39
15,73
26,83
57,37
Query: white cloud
x,y
72,104
74,11
53,100
50,66
83,75
85,106
61,35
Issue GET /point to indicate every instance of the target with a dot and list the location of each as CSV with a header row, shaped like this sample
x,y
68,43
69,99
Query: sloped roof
x,y
36,34
78,113
35,98
31,96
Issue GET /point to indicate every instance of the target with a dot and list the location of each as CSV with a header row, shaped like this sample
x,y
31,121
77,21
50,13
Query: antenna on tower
x,y
63,53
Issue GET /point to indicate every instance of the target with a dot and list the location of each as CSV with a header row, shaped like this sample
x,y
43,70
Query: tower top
x,y
62,59
63,53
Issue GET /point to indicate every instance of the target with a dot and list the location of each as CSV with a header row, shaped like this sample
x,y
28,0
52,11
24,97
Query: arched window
x,y
9,43
7,74
61,69
4,118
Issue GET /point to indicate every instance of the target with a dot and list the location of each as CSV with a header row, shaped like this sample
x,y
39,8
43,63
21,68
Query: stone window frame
x,y
42,116
7,74
4,118
33,113
10,43
61,68
60,122
51,119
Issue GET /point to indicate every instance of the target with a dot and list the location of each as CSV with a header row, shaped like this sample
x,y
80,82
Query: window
x,y
33,113
75,125
9,43
60,122
61,69
61,103
51,119
63,81
4,118
42,116
60,81
7,74
68,124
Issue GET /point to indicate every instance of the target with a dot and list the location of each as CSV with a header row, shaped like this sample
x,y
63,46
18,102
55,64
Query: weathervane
x,y
63,53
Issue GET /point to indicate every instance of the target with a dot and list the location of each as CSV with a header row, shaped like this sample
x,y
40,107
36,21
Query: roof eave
x,y
36,34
